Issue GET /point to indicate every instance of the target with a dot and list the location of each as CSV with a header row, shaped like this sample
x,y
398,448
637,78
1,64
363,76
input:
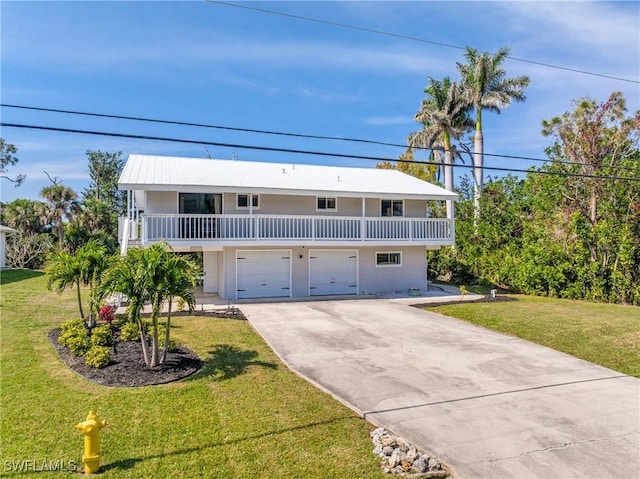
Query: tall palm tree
x,y
487,87
62,203
444,118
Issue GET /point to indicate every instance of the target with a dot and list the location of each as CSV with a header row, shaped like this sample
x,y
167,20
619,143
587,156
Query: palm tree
x,y
25,215
62,203
84,267
65,269
180,282
151,275
487,88
129,275
95,260
444,118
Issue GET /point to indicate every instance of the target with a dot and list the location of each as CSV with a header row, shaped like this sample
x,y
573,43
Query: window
x,y
392,208
200,203
389,259
326,204
242,201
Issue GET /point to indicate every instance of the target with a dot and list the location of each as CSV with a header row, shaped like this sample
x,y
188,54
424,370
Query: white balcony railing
x,y
228,228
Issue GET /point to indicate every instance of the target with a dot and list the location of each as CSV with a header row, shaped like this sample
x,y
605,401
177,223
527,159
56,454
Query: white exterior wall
x,y
166,202
372,279
159,202
3,238
390,279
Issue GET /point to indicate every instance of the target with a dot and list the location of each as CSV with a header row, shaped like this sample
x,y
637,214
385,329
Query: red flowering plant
x,y
107,315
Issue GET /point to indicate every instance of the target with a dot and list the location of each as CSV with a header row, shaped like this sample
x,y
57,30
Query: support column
x,y
363,221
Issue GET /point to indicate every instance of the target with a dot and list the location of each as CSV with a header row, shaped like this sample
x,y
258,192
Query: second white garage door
x,y
333,272
263,274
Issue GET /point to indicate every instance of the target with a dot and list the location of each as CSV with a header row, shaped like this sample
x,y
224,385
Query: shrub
x,y
73,325
74,335
129,332
78,344
97,357
102,336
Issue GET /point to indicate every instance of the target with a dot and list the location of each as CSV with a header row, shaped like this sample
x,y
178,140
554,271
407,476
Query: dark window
x,y
243,201
392,208
389,259
325,203
200,204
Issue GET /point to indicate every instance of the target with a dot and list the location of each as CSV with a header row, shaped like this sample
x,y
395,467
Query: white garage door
x,y
263,274
333,272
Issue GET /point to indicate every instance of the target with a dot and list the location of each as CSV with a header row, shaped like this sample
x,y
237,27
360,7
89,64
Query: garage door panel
x,y
333,272
263,274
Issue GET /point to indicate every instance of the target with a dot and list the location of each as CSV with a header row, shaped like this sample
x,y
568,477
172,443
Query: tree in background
x,y
29,248
486,87
426,171
570,228
62,204
444,118
597,211
104,171
101,203
28,216
8,158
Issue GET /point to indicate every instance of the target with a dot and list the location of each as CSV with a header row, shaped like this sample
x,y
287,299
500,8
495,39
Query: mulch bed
x,y
127,367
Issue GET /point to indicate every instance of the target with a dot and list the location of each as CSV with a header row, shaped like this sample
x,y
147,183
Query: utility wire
x,y
302,152
415,39
280,133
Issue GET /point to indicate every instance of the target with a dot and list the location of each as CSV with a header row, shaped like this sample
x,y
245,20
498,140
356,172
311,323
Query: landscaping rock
x,y
401,458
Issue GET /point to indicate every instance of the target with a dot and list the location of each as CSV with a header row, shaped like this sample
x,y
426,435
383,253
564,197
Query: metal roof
x,y
166,173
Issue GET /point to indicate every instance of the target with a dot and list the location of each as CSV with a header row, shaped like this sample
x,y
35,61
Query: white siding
x,y
371,280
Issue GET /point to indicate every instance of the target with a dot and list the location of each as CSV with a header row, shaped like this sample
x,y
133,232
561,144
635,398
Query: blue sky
x,y
204,62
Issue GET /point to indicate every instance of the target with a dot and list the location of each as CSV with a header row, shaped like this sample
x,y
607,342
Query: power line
x,y
200,125
280,133
301,152
415,39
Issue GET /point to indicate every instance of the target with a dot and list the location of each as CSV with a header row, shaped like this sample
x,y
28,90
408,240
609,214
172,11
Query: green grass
x,y
243,416
605,334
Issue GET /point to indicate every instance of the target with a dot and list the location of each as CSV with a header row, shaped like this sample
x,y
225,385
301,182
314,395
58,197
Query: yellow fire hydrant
x,y
91,429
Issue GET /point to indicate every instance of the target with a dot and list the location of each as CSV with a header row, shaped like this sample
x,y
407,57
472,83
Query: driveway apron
x,y
487,404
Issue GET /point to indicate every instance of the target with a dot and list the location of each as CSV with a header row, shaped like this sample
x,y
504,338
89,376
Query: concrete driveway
x,y
486,404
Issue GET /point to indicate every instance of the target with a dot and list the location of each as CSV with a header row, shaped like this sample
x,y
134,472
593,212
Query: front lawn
x,y
605,334
243,416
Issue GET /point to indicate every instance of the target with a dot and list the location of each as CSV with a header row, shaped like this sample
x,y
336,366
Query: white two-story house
x,y
283,229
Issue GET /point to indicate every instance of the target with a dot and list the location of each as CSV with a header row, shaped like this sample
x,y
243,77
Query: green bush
x,y
73,325
78,344
129,332
102,336
97,357
74,336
